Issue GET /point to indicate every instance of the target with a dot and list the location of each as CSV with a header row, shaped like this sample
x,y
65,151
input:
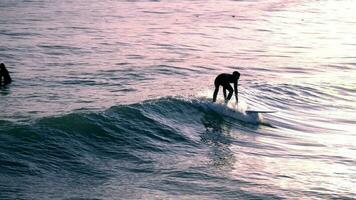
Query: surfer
x,y
225,80
4,75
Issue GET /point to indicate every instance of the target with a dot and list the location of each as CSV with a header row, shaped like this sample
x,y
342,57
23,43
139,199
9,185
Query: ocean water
x,y
112,99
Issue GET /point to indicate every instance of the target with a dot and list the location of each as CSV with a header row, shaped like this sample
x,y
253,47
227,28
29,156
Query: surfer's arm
x,y
236,92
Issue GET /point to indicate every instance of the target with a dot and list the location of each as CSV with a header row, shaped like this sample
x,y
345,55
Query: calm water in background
x,y
106,99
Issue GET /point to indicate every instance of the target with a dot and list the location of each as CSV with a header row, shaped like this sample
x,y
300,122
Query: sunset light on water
x,y
113,99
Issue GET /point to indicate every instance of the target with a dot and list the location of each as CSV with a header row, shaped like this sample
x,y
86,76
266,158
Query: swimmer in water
x,y
4,75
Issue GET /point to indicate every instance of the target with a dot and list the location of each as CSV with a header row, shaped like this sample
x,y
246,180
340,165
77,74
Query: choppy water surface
x,y
109,100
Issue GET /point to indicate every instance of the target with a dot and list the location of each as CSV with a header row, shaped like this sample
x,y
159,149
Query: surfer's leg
x,y
215,93
224,90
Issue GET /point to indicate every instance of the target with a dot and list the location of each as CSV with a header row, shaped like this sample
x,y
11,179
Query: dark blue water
x,y
165,147
112,100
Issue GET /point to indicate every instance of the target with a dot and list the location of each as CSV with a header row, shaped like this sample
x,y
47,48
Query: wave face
x,y
155,149
127,151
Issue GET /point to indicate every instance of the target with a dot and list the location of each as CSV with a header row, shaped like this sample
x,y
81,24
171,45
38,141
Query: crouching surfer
x,y
224,80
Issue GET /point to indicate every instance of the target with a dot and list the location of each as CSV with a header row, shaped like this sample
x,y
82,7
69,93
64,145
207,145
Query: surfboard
x,y
260,111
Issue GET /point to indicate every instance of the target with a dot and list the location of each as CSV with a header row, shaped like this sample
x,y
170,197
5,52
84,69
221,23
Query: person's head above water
x,y
236,74
2,66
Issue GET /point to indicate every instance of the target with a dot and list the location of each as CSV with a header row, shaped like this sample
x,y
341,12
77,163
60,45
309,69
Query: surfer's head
x,y
236,74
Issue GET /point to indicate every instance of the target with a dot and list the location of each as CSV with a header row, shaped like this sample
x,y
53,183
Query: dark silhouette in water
x,y
225,80
4,75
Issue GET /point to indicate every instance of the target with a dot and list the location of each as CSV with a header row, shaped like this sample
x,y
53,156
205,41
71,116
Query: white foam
x,y
233,110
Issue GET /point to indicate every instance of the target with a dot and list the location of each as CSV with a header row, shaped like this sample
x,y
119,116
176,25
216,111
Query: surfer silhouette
x,y
4,75
224,80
